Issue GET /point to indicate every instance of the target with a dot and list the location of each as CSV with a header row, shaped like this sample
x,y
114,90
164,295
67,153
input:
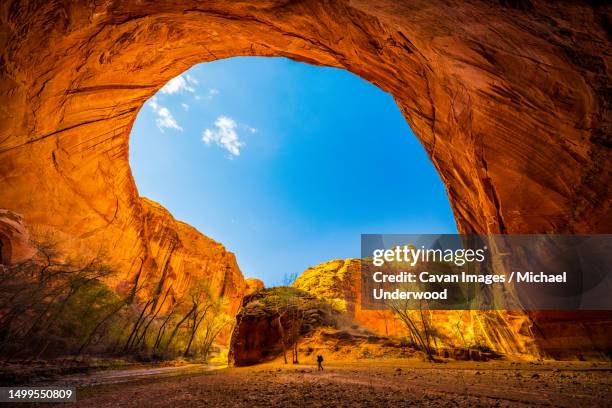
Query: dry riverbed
x,y
369,383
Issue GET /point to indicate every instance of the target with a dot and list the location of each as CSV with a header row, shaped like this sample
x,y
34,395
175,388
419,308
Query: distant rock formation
x,y
512,333
339,282
274,319
253,285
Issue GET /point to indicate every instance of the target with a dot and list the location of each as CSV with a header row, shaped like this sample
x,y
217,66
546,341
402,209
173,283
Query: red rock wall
x,y
339,282
511,100
508,333
183,256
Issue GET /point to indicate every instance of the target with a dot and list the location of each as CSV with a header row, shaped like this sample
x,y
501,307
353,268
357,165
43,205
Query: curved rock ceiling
x,y
511,100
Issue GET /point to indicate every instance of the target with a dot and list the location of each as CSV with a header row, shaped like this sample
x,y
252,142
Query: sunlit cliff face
x,y
509,333
512,118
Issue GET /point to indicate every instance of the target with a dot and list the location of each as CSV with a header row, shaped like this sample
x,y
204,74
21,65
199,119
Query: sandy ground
x,y
397,383
117,376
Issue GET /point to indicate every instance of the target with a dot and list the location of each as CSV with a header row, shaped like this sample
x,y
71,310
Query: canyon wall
x,y
339,282
179,257
184,256
510,333
511,100
271,321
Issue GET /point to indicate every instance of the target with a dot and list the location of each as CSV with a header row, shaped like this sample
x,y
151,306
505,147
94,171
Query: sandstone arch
x,y
511,100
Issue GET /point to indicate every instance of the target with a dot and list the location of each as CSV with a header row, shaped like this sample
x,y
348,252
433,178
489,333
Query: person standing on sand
x,y
319,362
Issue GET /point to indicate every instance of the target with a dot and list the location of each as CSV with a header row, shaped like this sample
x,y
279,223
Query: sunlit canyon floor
x,y
398,383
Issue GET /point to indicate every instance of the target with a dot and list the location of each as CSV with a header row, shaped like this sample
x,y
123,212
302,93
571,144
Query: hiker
x,y
320,362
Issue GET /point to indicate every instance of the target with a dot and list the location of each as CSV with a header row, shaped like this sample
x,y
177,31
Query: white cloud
x,y
212,93
185,106
224,135
164,116
179,84
192,80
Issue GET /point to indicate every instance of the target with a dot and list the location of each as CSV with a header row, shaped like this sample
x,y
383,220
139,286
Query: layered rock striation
x,y
339,283
511,333
179,258
183,256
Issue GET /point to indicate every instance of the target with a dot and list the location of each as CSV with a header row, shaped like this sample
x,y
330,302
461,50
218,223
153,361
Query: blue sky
x,y
284,163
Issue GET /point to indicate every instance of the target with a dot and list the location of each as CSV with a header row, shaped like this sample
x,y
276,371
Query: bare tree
x,y
417,322
297,319
288,309
43,301
162,329
213,326
282,307
289,278
52,304
179,325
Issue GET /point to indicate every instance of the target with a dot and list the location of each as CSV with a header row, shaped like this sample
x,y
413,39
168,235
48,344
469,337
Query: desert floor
x,y
368,383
